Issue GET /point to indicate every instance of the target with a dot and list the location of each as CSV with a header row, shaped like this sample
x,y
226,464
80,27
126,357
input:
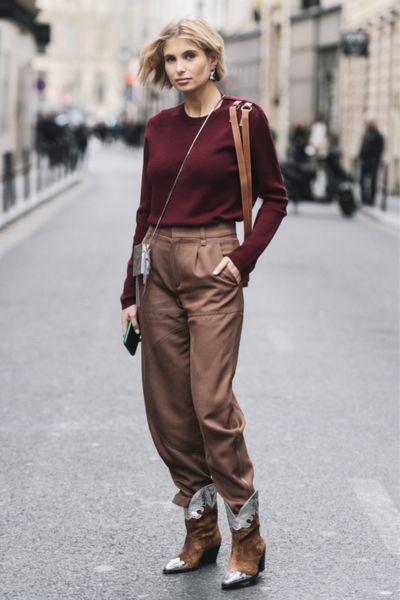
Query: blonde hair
x,y
195,29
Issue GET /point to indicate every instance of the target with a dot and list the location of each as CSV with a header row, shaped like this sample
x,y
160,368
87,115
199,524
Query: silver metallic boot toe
x,y
203,538
247,557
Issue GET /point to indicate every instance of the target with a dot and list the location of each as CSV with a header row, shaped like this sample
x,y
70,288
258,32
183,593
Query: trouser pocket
x,y
225,246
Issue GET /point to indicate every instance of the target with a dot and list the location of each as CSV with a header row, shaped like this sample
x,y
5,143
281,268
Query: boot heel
x,y
210,555
261,564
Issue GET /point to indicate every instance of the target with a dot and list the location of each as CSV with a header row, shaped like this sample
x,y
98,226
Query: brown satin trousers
x,y
191,322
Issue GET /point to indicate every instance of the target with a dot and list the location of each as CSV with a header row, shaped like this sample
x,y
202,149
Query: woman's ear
x,y
213,61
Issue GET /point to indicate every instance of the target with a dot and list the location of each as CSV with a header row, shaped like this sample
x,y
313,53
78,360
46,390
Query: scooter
x,y
300,181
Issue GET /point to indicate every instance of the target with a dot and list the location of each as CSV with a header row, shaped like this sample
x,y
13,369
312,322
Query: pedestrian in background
x,y
298,141
370,156
190,312
319,143
319,136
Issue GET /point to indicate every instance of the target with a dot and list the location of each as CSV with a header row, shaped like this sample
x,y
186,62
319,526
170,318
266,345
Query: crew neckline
x,y
201,118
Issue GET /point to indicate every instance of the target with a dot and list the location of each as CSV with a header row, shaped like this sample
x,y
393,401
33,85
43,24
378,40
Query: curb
x,y
376,214
23,206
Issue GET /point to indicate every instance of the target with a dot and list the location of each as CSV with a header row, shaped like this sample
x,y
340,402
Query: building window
x,y
309,3
327,87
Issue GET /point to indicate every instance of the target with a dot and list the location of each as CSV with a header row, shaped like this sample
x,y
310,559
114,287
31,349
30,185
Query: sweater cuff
x,y
128,296
241,262
127,302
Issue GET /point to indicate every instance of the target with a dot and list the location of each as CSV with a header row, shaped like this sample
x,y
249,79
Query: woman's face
x,y
184,60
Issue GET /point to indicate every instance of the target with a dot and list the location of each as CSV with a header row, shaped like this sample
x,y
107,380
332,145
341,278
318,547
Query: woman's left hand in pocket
x,y
227,263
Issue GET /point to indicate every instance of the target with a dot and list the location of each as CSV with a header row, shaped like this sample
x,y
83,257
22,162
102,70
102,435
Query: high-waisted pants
x,y
191,322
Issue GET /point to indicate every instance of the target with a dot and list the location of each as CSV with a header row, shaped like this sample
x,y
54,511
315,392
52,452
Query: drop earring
x,y
212,74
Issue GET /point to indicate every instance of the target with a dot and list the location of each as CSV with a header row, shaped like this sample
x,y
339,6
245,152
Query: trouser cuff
x,y
204,496
181,500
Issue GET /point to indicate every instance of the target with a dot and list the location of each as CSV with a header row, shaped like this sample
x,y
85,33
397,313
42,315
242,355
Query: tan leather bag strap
x,y
244,163
243,158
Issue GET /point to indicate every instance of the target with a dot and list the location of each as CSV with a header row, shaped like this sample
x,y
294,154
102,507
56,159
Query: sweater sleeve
x,y
128,295
267,183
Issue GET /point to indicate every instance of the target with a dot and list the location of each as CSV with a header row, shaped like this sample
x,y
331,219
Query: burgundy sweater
x,y
208,188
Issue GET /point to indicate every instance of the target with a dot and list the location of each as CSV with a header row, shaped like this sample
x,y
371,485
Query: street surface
x,y
85,506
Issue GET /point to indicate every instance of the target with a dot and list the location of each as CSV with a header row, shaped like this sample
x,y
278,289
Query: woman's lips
x,y
182,80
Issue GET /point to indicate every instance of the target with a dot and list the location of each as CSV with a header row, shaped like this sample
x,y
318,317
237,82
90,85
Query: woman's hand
x,y
129,314
226,262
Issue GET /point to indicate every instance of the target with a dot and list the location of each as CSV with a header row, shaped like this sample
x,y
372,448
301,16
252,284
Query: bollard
x,y
385,167
26,170
9,196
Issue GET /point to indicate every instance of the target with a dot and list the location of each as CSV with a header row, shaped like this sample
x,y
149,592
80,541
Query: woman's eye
x,y
190,55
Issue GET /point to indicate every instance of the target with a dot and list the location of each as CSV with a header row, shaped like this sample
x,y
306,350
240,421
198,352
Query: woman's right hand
x,y
129,314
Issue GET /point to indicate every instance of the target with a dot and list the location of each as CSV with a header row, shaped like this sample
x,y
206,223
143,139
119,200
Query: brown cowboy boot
x,y
203,537
247,557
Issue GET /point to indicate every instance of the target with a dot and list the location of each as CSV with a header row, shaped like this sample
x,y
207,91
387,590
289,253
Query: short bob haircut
x,y
195,29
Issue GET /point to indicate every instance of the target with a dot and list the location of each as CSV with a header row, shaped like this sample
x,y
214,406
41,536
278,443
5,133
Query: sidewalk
x,y
389,217
51,184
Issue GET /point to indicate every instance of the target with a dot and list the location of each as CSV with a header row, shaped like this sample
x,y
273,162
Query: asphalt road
x,y
85,503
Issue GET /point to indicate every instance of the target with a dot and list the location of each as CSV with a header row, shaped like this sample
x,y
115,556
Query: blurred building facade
x,y
245,49
372,83
21,36
86,67
307,72
314,62
275,89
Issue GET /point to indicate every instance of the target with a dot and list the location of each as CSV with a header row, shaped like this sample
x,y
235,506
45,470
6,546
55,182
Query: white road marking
x,y
328,533
103,569
382,512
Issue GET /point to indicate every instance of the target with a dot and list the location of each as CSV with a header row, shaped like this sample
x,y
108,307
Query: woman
x,y
190,311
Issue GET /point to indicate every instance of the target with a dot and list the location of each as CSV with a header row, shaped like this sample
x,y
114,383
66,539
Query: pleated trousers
x,y
191,322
